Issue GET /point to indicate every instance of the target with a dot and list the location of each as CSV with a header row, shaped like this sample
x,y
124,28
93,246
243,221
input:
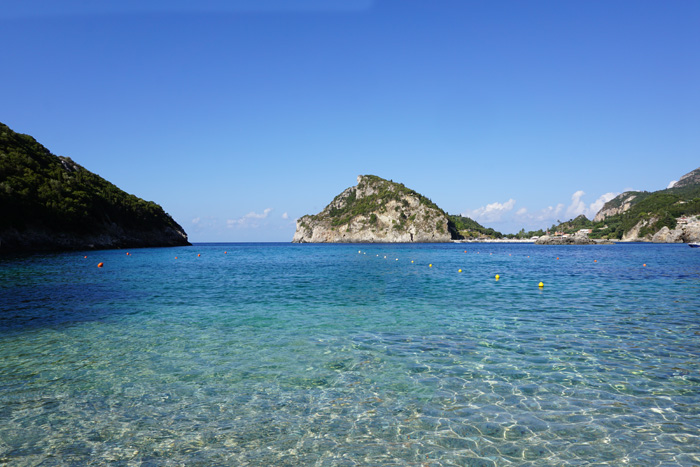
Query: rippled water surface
x,y
279,354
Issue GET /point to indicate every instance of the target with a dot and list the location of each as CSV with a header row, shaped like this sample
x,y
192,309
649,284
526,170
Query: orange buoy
x,y
557,257
176,257
644,265
85,257
198,254
595,260
99,265
225,252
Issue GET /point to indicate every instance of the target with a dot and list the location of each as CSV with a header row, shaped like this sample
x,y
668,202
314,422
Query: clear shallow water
x,y
280,354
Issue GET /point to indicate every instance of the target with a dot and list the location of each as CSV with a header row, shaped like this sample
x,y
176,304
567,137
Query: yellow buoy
x,y
411,260
497,277
459,270
430,265
541,284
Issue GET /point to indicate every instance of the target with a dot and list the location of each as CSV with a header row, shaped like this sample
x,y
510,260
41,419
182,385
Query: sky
x,y
239,117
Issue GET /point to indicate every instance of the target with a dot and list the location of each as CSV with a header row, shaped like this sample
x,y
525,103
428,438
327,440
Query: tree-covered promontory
x,y
52,203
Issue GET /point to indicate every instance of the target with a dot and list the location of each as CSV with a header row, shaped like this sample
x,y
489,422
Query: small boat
x,y
694,245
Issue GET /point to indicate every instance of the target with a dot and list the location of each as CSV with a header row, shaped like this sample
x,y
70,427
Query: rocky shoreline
x,y
34,240
572,240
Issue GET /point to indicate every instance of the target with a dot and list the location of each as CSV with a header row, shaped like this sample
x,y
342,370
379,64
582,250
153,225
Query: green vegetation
x,y
664,206
344,210
41,190
521,235
469,228
659,209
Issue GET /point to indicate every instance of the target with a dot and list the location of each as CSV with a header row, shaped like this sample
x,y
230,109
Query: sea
x,y
278,354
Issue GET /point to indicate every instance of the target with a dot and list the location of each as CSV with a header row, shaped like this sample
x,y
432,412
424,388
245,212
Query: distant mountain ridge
x,y
51,203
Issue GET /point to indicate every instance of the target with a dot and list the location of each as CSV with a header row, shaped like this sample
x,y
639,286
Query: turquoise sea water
x,y
280,354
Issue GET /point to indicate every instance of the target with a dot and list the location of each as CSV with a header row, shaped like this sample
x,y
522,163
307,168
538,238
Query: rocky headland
x,y
670,215
570,240
52,203
686,232
376,211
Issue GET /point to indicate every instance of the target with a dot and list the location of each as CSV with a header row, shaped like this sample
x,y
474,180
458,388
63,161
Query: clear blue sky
x,y
240,116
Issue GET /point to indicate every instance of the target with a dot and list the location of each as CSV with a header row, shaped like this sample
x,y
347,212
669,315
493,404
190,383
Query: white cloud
x,y
255,215
598,204
491,212
672,183
577,206
561,212
249,220
504,213
285,216
196,220
550,212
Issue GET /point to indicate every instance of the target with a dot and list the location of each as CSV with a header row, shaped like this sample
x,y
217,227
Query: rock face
x,y
617,205
632,235
572,240
683,233
687,233
376,211
51,203
691,178
666,235
657,216
691,233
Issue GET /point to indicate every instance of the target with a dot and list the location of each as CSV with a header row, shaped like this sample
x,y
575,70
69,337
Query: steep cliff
x,y
660,216
51,203
376,210
619,204
689,179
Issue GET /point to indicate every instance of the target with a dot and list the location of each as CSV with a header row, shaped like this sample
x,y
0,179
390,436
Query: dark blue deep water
x,y
286,355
